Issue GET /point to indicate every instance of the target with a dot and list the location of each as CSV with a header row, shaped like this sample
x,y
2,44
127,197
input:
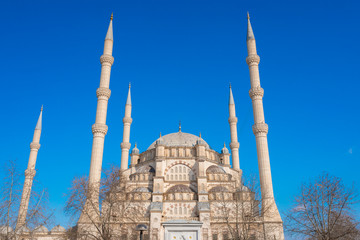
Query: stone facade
x,y
182,184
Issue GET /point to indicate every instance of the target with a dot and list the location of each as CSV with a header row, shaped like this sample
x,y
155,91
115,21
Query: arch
x,y
180,171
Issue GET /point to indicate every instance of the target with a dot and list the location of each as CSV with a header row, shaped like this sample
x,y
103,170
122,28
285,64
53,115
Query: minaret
x,y
99,129
234,145
29,174
125,145
260,129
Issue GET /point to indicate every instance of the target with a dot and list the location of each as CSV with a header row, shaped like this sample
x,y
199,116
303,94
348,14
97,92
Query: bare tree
x,y
241,212
116,210
324,210
38,213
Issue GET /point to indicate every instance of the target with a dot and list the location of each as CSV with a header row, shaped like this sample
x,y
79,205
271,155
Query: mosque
x,y
185,189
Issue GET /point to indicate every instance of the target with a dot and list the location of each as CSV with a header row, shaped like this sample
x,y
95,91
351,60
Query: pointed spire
x,y
109,34
231,98
250,33
128,100
39,122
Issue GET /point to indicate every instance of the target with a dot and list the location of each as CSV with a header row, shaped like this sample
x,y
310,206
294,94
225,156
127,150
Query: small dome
x,y
23,229
135,150
243,188
5,229
201,141
145,169
180,189
178,139
215,169
58,228
219,189
224,149
41,229
142,189
160,141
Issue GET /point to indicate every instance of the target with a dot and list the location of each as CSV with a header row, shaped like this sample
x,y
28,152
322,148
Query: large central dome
x,y
179,139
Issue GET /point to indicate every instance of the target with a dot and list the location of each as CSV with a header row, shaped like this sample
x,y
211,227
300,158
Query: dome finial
x,y
200,135
224,144
180,126
112,16
160,134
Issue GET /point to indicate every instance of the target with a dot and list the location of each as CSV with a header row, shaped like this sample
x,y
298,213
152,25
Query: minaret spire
x,y
234,145
125,145
99,129
250,33
260,129
29,173
109,34
128,100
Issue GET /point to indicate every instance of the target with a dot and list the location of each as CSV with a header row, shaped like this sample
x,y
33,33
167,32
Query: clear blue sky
x,y
180,57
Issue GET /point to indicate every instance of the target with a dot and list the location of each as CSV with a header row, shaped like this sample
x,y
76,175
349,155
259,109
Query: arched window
x,y
180,173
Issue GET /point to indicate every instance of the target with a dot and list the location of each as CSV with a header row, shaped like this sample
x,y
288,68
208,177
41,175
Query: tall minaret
x,y
125,145
29,173
234,145
260,129
99,129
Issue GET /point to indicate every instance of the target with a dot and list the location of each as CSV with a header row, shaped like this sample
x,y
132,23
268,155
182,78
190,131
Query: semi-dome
x,y
215,169
142,189
41,229
145,169
58,228
23,229
219,189
180,189
179,139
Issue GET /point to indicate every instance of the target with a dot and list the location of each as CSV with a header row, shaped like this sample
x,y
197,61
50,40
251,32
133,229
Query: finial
x,y
200,135
160,134
112,16
224,145
129,84
229,84
42,107
135,144
248,15
179,126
